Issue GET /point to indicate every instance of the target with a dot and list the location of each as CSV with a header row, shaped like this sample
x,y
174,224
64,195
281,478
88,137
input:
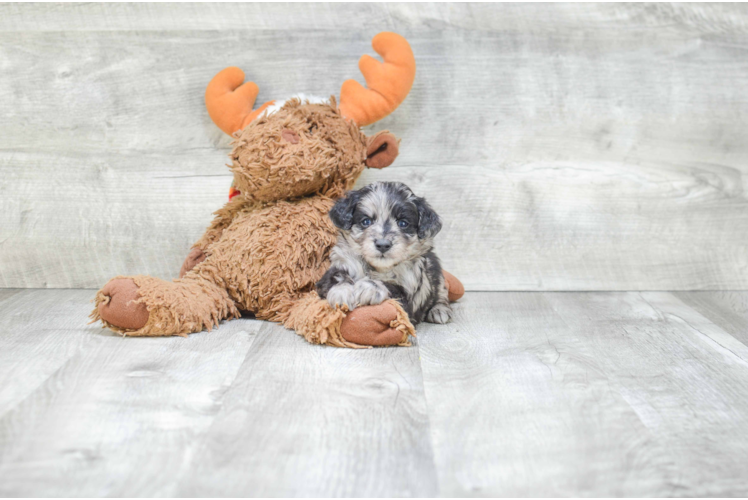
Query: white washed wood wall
x,y
566,146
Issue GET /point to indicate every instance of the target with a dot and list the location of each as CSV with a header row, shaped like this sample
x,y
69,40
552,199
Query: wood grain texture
x,y
532,226
248,409
84,412
525,394
705,18
318,421
587,225
686,379
585,394
124,214
40,333
726,309
581,147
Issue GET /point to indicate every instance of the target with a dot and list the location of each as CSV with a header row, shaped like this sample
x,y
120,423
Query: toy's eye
x,y
402,223
366,222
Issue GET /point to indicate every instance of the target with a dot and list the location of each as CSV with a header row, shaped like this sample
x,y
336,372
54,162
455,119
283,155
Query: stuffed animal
x,y
269,245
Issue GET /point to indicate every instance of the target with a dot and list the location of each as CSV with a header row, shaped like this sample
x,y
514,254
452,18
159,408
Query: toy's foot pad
x,y
371,326
119,306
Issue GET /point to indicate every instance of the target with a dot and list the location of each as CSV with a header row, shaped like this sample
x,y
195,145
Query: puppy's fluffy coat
x,y
384,250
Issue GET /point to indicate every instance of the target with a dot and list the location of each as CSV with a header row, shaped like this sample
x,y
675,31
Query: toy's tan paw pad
x,y
119,307
371,326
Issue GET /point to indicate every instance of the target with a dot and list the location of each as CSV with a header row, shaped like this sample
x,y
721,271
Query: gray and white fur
x,y
385,250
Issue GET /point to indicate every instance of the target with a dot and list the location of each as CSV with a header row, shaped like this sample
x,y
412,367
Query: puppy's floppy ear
x,y
341,213
429,223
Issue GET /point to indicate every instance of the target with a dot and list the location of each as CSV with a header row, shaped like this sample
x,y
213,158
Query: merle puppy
x,y
384,250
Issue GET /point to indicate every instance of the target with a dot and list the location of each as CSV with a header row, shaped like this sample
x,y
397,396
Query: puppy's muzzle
x,y
383,245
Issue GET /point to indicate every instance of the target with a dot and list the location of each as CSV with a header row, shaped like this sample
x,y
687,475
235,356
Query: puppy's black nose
x,y
383,245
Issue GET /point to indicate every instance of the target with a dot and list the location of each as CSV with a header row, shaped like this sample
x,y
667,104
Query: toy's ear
x,y
429,223
342,212
382,150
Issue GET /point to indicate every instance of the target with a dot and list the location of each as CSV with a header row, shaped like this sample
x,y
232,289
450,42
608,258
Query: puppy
x,y
384,250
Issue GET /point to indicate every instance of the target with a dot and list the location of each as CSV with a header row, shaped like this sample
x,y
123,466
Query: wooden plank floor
x,y
526,393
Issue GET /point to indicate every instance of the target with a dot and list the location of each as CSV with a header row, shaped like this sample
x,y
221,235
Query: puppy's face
x,y
386,223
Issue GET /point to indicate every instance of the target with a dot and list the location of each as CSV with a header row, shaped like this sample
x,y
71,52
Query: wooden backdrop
x,y
566,146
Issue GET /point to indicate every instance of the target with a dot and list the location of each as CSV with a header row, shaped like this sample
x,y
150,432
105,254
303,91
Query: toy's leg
x,y
455,290
320,323
146,306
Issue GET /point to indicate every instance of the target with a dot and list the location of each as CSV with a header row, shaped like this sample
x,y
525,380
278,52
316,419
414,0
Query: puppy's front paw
x,y
440,314
370,292
342,295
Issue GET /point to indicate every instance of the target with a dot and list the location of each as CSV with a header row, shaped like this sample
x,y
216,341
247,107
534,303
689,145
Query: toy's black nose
x,y
383,245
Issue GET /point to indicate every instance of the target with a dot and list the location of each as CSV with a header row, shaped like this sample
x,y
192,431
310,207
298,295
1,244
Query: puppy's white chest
x,y
408,275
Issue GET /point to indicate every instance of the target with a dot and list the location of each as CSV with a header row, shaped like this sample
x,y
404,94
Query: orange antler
x,y
388,83
229,102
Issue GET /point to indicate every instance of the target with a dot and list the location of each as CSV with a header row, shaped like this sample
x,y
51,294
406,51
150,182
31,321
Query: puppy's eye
x,y
366,222
402,223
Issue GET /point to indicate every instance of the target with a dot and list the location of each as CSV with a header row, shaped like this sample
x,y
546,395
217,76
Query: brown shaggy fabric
x,y
327,158
271,253
195,257
268,246
320,323
175,308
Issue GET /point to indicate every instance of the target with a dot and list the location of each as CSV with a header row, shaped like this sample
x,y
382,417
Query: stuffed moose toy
x,y
269,245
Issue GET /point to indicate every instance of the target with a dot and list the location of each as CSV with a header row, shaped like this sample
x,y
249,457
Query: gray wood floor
x,y
526,393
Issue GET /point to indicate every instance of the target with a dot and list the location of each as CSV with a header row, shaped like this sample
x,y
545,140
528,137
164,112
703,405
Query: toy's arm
x,y
223,219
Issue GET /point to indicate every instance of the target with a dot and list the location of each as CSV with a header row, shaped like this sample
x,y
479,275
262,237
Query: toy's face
x,y
298,150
